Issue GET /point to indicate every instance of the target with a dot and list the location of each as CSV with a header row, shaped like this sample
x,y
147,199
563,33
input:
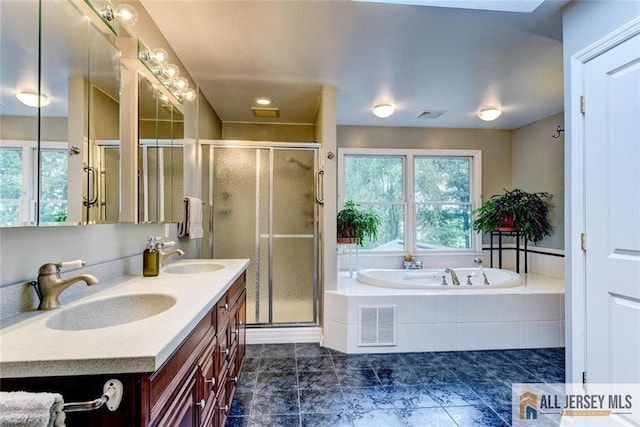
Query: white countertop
x,y
28,348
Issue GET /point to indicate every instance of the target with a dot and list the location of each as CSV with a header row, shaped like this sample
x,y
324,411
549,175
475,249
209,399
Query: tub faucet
x,y
50,285
484,275
412,265
454,276
164,255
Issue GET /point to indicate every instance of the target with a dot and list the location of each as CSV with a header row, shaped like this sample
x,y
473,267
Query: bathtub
x,y
432,279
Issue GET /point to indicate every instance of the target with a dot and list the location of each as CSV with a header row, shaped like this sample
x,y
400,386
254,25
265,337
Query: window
x,y
19,182
424,197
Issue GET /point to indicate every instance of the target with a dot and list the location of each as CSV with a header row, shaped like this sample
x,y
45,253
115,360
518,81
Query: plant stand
x,y
518,236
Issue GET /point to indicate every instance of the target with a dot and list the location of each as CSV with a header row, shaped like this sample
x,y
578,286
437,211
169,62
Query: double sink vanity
x,y
176,342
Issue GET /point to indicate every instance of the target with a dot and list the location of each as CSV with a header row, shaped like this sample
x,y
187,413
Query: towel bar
x,y
111,397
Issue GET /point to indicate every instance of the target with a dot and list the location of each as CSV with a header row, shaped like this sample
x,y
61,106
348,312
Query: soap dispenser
x,y
151,258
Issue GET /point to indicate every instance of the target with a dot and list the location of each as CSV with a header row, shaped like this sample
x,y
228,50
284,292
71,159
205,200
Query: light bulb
x,y
189,94
263,100
182,83
172,71
127,13
160,56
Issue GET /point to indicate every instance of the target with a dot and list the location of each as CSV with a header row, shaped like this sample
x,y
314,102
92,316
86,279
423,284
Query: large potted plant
x,y
515,210
355,224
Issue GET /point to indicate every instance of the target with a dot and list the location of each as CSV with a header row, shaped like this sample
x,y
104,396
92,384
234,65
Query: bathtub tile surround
x,y
322,387
528,316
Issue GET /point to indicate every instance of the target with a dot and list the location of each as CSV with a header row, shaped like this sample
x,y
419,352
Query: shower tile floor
x,y
308,385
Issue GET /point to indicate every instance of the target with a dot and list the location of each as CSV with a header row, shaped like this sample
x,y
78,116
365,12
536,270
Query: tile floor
x,y
308,385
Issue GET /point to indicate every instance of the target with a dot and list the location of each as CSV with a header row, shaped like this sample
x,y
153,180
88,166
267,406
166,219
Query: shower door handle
x,y
320,187
92,189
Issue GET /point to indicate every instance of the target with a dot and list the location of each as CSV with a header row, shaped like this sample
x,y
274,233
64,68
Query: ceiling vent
x,y
430,114
265,112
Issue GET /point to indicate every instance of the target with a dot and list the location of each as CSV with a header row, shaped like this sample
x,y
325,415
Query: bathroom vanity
x,y
178,367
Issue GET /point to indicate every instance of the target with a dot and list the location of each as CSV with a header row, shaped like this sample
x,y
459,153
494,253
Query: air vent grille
x,y
265,112
430,114
377,326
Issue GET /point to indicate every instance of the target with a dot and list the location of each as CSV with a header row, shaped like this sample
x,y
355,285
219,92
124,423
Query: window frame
x,y
408,174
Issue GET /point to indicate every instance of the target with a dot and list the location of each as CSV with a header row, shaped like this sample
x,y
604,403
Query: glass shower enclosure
x,y
263,205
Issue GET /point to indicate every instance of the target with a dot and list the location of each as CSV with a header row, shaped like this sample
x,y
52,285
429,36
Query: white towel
x,y
193,218
19,408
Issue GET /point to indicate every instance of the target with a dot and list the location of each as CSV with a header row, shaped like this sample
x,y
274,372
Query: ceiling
x,y
416,57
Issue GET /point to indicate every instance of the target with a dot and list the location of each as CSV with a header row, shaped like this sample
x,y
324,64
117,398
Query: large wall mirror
x,y
60,162
160,156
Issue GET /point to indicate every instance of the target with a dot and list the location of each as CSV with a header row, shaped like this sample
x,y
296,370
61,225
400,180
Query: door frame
x,y
575,268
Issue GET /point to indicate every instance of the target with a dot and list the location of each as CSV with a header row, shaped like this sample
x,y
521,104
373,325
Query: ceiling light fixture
x,y
263,101
32,99
382,111
489,114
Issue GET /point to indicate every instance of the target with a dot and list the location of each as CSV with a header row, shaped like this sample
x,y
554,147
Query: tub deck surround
x,y
31,349
432,279
527,316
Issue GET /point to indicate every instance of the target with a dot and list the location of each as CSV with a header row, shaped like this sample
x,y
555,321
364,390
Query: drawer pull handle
x,y
225,408
211,382
202,403
226,352
235,380
226,306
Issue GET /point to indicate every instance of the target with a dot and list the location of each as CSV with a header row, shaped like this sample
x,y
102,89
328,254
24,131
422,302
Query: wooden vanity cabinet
x,y
193,388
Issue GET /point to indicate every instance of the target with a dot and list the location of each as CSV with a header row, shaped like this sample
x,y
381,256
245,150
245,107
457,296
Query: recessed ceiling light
x,y
489,113
382,111
263,101
32,99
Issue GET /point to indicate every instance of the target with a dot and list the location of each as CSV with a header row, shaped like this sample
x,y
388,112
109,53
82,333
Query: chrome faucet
x,y
164,255
414,264
484,275
454,276
50,285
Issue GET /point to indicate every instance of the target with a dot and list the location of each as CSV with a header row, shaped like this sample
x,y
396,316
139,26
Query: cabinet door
x,y
184,410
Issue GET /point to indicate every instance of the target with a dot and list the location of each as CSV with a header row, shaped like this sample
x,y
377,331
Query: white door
x,y
612,185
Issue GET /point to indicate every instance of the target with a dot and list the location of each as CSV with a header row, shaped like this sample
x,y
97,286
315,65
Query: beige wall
x,y
209,124
495,146
25,128
268,132
538,165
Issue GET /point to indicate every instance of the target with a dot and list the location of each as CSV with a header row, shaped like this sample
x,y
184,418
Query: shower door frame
x,y
317,285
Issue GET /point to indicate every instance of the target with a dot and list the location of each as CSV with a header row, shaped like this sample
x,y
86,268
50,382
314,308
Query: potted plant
x,y
355,224
528,213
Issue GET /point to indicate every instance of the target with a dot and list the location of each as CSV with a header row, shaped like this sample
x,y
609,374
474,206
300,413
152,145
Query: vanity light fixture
x,y
124,13
489,114
157,61
263,100
31,98
382,111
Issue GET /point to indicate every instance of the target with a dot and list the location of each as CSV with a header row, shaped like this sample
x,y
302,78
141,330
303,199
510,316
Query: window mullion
x,y
410,212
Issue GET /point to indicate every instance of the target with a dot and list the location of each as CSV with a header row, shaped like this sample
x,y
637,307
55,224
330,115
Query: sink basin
x,y
193,268
112,311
